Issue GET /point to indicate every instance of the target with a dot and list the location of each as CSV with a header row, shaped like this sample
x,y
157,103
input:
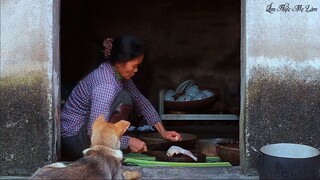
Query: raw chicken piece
x,y
178,150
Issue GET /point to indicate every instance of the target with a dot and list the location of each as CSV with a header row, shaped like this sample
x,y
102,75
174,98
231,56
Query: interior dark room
x,y
184,39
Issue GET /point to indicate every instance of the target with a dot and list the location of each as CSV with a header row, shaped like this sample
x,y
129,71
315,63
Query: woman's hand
x,y
136,145
171,135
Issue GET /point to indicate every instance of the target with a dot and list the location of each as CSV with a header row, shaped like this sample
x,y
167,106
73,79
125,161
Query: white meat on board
x,y
178,150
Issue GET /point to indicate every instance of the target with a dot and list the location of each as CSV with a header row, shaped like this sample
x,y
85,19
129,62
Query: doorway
x,y
184,39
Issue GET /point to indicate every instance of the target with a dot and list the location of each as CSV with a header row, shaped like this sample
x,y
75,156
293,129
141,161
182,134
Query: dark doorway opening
x,y
185,39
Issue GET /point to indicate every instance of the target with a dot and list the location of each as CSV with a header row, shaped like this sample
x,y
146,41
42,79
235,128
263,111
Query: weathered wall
x,y
281,75
29,85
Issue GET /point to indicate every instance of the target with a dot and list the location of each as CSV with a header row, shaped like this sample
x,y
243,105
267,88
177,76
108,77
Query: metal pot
x,y
288,161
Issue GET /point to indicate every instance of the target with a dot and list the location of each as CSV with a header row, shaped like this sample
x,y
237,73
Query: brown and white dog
x,y
101,161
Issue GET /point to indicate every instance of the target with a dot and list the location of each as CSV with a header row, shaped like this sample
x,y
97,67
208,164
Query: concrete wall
x,y
29,86
280,75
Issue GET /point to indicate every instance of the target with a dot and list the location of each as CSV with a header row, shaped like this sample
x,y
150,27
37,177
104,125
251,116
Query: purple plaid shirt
x,y
94,95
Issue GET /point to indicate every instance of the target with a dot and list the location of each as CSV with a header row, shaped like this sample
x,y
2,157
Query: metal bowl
x,y
183,86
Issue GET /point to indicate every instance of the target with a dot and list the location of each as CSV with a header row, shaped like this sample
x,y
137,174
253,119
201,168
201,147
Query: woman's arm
x,y
149,113
142,104
170,135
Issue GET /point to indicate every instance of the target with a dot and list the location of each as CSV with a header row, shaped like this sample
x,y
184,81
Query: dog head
x,y
108,134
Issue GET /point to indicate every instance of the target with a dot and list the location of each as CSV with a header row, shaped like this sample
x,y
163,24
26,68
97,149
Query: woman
x,y
109,90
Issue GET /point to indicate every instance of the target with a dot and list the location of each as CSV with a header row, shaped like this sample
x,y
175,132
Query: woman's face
x,y
128,69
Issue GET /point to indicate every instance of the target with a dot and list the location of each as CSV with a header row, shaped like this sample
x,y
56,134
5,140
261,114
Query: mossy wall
x,y
29,86
280,76
26,130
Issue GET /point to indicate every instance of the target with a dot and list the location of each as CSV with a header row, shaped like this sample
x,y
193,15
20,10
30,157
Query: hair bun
x,y
107,44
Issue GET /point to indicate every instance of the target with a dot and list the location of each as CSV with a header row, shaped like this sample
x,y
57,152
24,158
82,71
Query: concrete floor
x,y
190,172
181,173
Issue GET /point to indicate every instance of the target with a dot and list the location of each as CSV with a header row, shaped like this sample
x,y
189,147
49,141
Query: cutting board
x,y
149,161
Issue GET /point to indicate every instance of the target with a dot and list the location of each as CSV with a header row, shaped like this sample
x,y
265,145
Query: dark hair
x,y
125,48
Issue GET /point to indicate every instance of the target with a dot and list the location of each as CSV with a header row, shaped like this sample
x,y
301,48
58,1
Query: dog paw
x,y
131,175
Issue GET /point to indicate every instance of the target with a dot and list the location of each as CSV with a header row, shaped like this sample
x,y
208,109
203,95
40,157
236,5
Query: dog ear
x,y
122,126
101,117
99,120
